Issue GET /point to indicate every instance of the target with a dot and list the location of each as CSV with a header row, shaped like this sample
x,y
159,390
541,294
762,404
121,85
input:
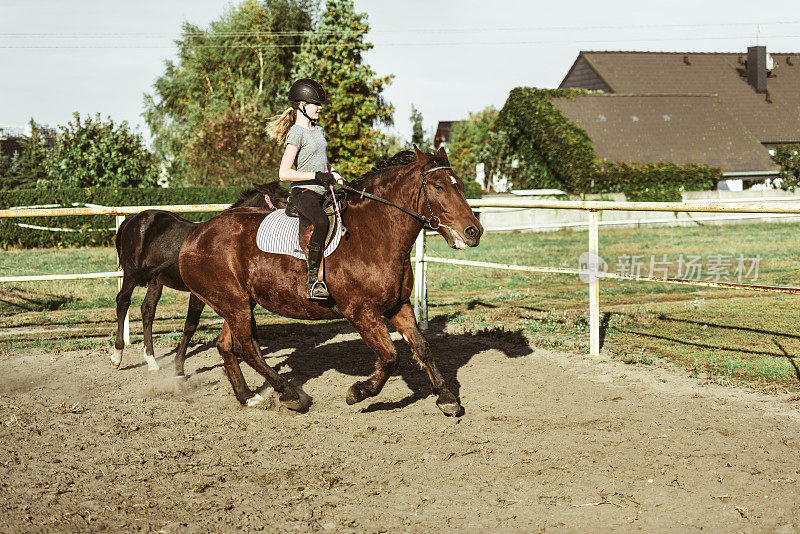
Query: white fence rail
x,y
421,259
119,213
592,272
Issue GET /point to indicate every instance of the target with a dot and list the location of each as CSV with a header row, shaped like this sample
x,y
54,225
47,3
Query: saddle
x,y
306,228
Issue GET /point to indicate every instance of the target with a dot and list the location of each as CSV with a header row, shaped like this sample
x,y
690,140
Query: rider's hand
x,y
326,178
338,177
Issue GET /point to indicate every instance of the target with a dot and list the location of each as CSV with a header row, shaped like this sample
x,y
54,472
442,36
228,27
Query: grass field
x,y
731,336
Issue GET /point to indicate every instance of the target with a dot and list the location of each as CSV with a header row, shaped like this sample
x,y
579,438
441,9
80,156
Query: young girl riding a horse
x,y
306,150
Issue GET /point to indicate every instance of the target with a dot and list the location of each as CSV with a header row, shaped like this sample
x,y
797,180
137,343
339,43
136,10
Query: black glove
x,y
325,178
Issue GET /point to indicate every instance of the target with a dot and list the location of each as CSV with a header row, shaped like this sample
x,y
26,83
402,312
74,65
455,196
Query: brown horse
x,y
369,275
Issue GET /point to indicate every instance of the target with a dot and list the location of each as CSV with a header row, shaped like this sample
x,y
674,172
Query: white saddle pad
x,y
278,234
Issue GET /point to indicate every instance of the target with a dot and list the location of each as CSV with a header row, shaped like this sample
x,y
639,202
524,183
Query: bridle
x,y
424,190
430,223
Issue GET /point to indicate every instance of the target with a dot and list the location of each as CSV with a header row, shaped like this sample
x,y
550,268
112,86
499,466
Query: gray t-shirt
x,y
312,155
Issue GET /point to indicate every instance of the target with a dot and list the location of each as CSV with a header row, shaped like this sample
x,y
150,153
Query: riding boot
x,y
317,290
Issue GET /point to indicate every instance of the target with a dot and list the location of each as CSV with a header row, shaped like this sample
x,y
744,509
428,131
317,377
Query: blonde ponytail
x,y
278,127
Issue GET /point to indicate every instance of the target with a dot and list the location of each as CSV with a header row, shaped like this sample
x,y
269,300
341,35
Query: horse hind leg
x,y
123,303
406,324
189,328
148,315
373,331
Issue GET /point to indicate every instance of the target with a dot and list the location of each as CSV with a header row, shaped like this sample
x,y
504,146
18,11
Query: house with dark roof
x,y
442,135
720,109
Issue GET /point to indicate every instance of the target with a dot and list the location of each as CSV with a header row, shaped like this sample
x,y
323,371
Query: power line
x,y
411,30
409,44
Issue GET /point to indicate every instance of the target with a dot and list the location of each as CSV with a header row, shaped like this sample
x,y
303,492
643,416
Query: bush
x,y
94,153
788,157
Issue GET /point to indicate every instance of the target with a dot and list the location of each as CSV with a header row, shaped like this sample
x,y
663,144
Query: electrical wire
x,y
409,30
399,44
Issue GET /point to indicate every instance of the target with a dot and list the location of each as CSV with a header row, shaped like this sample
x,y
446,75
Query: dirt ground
x,y
550,442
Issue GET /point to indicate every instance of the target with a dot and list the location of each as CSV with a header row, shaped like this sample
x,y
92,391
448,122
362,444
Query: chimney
x,y
757,68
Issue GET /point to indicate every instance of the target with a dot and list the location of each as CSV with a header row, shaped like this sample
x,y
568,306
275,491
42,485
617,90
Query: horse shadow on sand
x,y
305,351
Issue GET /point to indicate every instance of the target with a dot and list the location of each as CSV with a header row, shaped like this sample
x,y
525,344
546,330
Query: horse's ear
x,y
421,156
261,188
441,152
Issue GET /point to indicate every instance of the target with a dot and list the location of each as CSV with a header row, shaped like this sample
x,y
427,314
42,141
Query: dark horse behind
x,y
369,275
147,248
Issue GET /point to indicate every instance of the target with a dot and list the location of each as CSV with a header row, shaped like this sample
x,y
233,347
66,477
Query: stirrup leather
x,y
318,290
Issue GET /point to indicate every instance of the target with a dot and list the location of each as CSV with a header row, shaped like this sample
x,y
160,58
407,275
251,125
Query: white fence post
x,y
126,328
420,283
594,286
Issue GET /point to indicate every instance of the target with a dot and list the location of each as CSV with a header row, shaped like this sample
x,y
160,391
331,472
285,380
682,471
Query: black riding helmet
x,y
308,90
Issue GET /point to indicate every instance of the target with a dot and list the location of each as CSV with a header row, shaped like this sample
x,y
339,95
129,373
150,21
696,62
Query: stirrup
x,y
318,291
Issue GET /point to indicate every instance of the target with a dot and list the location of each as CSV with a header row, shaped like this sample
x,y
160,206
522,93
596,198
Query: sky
x,y
448,58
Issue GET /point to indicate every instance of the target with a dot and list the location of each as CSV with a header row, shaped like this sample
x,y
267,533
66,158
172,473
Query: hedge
x,y
95,230
98,230
653,182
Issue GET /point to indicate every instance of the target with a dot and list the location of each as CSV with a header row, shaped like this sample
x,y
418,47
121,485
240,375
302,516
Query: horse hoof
x,y
295,405
116,357
254,401
152,365
450,407
355,394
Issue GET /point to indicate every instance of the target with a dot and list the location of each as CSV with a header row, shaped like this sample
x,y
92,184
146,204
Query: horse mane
x,y
247,193
381,173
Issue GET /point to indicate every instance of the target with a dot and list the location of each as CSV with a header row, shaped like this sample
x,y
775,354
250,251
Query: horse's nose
x,y
472,232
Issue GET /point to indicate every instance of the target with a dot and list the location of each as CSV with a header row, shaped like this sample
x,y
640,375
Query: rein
x,y
431,223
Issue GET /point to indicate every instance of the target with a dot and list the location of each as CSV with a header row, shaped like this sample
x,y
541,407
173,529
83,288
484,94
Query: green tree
x,y
234,73
418,138
470,143
333,56
26,167
233,149
93,153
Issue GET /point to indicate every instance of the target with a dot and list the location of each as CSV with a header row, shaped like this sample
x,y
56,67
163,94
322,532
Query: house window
x,y
601,118
665,117
634,118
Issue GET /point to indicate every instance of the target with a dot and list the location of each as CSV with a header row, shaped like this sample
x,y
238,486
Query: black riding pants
x,y
309,204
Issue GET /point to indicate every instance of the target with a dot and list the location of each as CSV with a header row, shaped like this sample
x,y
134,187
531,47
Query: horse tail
x,y
142,275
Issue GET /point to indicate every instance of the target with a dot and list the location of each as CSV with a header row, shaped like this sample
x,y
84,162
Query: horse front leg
x,y
189,328
406,324
231,365
123,303
370,325
148,315
240,339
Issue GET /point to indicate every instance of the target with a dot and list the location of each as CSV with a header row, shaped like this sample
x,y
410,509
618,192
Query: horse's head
x,y
442,198
273,192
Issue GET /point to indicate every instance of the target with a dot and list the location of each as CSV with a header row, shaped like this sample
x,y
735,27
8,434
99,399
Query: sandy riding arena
x,y
550,442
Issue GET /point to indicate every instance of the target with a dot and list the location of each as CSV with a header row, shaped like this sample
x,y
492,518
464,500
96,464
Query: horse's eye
x,y
438,188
